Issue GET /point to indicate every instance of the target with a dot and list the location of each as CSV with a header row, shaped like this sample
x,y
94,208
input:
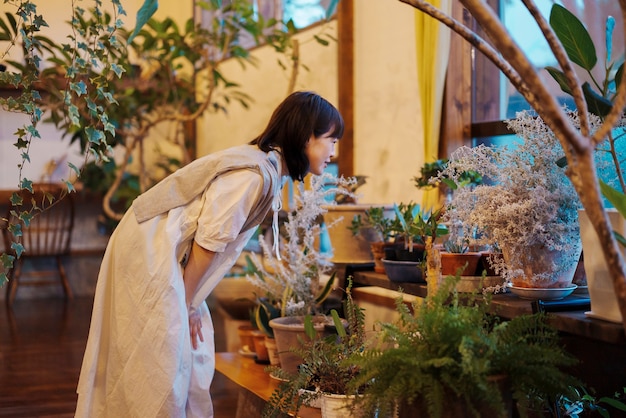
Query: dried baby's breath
x,y
293,282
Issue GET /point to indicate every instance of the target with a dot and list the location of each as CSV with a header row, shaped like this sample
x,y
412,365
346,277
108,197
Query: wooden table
x,y
256,385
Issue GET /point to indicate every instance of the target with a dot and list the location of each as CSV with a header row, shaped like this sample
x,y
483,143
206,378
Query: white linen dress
x,y
139,361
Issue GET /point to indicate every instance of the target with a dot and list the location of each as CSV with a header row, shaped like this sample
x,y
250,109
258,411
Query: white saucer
x,y
541,293
247,353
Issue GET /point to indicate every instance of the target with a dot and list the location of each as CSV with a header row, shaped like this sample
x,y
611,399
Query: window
x,y
494,99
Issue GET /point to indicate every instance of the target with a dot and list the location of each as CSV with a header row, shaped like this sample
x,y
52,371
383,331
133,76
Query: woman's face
x,y
319,151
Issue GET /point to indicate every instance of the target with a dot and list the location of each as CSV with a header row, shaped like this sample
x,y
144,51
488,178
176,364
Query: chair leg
x,y
66,284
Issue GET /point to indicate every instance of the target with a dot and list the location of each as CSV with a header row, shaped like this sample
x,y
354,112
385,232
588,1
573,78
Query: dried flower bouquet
x,y
527,206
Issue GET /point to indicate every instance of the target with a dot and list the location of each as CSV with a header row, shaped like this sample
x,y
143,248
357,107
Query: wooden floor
x,y
41,349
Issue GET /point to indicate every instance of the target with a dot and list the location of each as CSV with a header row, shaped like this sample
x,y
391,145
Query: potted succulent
x,y
327,370
290,283
528,207
447,358
456,257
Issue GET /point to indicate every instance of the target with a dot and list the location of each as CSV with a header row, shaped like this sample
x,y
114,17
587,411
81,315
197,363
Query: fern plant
x,y
445,349
327,362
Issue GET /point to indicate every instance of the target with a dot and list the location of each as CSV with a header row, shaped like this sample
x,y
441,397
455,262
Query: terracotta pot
x,y
379,250
288,332
486,263
246,337
464,264
262,356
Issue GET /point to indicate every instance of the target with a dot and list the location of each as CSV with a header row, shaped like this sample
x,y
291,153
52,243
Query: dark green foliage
x,y
448,348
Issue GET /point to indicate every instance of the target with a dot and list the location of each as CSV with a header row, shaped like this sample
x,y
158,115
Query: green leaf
x,y
328,287
145,12
617,198
18,248
559,77
574,37
6,260
309,329
341,331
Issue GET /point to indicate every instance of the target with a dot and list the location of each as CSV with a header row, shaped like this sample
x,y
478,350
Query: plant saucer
x,y
541,293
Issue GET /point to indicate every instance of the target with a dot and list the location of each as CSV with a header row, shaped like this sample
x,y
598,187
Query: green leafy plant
x,y
598,94
22,28
413,224
327,365
373,219
429,176
446,349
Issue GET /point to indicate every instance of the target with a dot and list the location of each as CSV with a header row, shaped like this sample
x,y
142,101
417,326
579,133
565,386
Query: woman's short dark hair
x,y
299,116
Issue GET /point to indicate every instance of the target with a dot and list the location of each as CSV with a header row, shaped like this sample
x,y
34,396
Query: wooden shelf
x,y
256,384
509,306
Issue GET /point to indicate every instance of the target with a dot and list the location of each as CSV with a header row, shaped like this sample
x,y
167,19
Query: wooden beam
x,y
345,61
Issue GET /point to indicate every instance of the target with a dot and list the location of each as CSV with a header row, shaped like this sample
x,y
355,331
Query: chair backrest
x,y
50,230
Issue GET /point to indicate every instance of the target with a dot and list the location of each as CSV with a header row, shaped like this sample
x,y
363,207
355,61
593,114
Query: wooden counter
x,y
509,306
256,385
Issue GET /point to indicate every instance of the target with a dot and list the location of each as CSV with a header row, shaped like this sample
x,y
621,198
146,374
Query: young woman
x,y
150,351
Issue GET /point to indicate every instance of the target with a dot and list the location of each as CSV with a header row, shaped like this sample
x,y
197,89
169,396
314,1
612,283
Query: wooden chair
x,y
48,238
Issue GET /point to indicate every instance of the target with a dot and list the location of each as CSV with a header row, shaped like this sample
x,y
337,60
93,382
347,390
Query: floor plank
x,y
41,349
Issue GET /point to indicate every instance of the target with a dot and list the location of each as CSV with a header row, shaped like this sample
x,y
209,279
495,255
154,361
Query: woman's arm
x,y
199,262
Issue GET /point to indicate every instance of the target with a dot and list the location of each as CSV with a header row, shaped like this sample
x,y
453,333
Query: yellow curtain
x,y
433,46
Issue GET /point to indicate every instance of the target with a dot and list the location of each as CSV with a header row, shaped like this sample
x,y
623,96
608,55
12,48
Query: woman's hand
x,y
195,327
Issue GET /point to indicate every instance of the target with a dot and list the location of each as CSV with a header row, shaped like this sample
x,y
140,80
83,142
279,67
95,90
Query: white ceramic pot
x,y
337,406
604,304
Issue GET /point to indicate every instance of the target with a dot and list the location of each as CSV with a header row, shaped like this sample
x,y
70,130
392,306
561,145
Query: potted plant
x,y
327,371
451,358
411,227
457,259
528,207
375,225
289,280
429,178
